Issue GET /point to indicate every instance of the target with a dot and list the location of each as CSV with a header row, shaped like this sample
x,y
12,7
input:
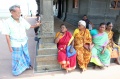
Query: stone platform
x,y
112,72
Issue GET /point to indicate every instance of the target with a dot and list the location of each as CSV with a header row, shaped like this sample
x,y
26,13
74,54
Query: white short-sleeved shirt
x,y
16,31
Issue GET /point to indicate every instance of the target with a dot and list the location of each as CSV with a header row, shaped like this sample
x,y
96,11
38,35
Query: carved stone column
x,y
46,57
116,30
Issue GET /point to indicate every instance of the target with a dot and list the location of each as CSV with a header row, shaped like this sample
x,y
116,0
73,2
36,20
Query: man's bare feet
x,y
30,68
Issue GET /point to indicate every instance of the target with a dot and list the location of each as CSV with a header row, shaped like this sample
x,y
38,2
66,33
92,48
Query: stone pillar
x,y
116,30
46,57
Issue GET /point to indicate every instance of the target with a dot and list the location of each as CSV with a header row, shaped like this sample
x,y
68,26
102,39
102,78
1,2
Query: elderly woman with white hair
x,y
82,44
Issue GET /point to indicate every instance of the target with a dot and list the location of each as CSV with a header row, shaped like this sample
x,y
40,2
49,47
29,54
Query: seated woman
x,y
100,54
63,39
82,42
111,44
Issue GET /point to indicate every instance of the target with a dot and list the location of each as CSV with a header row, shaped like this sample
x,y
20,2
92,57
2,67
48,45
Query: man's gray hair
x,y
12,8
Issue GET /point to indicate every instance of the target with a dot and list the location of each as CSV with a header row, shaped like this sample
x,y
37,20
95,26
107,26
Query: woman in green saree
x,y
100,54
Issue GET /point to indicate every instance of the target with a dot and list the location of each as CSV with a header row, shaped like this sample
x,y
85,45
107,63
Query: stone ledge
x,y
41,58
48,68
48,45
47,51
51,62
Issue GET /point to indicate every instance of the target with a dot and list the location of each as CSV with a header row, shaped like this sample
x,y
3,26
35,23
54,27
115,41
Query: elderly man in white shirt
x,y
16,37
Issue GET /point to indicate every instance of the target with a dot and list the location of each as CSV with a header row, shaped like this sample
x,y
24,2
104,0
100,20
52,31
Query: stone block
x,y
48,68
47,45
46,63
44,58
47,51
47,40
47,35
47,27
51,62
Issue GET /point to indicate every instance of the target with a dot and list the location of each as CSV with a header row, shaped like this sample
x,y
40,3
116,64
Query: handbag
x,y
69,54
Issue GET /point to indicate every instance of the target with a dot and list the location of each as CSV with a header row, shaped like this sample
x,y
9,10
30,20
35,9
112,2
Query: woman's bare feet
x,y
84,69
94,67
117,61
100,67
67,71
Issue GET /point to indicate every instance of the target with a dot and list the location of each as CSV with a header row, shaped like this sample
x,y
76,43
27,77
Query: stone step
x,y
48,45
46,63
47,51
51,62
47,68
44,58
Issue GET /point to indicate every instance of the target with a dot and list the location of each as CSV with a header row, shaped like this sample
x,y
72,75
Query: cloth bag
x,y
69,54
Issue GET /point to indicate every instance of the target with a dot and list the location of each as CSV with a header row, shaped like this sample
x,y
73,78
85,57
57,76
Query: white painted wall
x,y
26,6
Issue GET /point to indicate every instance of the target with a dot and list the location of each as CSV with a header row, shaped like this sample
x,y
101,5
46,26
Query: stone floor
x,y
59,22
112,72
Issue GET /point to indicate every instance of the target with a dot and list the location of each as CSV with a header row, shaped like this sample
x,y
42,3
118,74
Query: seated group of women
x,y
93,46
